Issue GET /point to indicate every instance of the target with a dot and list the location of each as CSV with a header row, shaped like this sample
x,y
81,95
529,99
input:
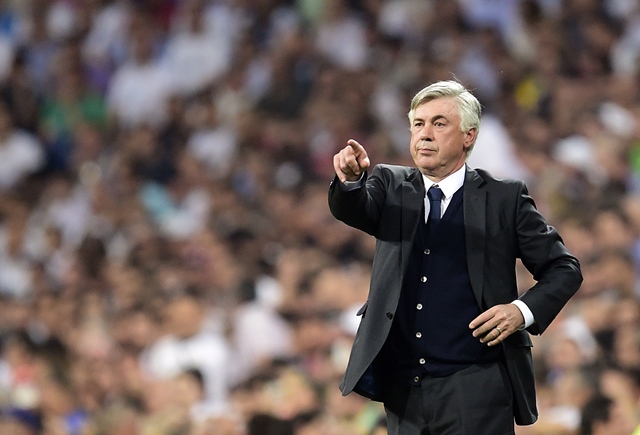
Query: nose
x,y
426,133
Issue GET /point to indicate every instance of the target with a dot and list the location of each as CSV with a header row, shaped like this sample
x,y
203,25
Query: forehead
x,y
447,107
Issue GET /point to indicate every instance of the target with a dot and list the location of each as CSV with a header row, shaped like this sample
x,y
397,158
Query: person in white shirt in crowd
x,y
21,153
140,88
195,56
342,36
192,340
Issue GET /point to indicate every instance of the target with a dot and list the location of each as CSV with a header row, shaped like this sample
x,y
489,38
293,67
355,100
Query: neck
x,y
437,176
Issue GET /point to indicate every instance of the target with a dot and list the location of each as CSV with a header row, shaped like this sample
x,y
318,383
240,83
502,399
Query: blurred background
x,y
168,262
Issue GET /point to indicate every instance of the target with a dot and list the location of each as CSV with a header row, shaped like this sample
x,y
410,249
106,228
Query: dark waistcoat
x,y
430,333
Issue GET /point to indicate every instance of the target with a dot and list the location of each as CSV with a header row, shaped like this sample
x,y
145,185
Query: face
x,y
438,147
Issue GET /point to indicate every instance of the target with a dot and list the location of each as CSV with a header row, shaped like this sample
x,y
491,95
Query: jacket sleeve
x,y
361,207
543,253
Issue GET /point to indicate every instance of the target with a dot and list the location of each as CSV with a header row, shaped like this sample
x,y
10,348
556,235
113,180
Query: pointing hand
x,y
351,162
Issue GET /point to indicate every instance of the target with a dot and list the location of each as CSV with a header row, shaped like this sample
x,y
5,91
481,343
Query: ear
x,y
469,138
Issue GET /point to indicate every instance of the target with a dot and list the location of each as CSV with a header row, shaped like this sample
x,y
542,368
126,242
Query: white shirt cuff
x,y
526,313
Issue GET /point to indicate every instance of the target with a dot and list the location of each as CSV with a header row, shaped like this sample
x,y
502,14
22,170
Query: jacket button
x,y
389,315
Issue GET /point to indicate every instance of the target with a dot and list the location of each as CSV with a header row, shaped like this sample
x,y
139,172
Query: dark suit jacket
x,y
501,225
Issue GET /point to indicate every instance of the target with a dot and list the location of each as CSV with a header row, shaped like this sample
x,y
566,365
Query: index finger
x,y
356,147
481,319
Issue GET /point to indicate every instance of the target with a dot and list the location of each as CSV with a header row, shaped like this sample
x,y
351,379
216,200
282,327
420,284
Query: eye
x,y
438,124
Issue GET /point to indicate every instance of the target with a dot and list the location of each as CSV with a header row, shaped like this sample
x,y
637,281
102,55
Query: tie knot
x,y
434,193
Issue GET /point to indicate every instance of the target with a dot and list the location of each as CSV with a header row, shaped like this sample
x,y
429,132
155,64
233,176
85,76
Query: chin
x,y
426,165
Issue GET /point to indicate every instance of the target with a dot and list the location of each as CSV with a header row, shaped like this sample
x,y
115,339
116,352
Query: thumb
x,y
364,162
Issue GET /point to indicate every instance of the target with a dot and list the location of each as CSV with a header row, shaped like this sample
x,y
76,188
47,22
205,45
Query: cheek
x,y
415,138
412,148
413,153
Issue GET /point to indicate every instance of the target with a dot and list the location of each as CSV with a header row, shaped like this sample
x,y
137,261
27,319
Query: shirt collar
x,y
450,184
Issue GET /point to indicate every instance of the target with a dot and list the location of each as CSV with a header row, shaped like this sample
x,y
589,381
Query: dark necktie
x,y
435,199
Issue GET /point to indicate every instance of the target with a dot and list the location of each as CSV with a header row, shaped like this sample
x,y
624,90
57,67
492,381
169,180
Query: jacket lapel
x,y
475,230
412,200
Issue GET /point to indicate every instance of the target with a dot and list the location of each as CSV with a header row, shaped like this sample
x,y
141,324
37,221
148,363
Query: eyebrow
x,y
432,119
437,117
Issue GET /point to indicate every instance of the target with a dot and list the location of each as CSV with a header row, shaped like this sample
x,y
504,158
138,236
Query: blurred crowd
x,y
168,262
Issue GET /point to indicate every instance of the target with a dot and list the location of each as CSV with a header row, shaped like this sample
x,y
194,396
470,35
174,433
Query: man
x,y
442,340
